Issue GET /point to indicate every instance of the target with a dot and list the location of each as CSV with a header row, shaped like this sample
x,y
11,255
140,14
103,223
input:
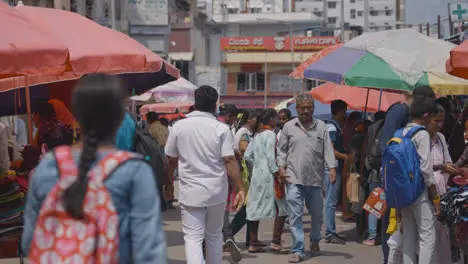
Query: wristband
x,y
437,200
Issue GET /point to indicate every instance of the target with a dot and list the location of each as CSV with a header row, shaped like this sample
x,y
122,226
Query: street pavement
x,y
351,253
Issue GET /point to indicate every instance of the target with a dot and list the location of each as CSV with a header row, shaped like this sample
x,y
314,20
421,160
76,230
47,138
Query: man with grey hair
x,y
303,150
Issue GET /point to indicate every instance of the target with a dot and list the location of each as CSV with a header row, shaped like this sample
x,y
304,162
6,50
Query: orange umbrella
x,y
299,71
26,48
356,97
166,108
457,64
94,48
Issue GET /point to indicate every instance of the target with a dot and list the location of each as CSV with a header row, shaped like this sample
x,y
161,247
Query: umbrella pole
x,y
367,101
28,109
380,99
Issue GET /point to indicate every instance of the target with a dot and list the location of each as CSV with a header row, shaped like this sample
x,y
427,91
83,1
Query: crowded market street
x,y
353,252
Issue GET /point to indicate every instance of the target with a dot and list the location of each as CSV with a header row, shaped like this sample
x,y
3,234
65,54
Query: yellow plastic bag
x,y
393,222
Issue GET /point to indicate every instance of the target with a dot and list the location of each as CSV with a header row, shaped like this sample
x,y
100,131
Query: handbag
x,y
352,186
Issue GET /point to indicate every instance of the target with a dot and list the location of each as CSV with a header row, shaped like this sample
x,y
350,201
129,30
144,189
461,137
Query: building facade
x,y
381,14
258,68
251,75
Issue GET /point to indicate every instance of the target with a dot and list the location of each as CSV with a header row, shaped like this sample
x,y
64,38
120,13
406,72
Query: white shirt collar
x,y
201,114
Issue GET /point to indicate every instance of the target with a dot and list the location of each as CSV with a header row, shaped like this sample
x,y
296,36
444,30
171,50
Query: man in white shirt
x,y
202,147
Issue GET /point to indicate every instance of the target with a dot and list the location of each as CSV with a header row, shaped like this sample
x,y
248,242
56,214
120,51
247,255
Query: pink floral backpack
x,y
59,238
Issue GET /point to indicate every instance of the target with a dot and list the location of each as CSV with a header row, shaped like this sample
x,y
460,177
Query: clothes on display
x,y
12,200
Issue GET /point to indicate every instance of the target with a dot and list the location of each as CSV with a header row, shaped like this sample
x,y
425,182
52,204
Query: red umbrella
x,y
94,48
457,64
356,97
27,49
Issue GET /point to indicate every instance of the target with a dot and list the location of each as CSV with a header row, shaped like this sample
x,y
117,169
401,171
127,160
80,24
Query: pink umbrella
x,y
166,108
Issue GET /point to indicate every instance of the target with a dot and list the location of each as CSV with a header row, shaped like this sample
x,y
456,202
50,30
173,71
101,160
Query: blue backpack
x,y
403,180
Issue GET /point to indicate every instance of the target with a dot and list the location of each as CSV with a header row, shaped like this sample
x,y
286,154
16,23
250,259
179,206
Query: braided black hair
x,y
98,105
74,196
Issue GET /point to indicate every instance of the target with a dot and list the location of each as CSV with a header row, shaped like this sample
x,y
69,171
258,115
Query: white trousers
x,y
419,231
203,224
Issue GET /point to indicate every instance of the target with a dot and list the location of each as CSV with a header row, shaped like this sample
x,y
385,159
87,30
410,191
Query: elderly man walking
x,y
303,149
202,147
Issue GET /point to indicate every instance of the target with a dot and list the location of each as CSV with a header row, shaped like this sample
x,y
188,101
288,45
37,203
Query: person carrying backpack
x,y
410,184
397,117
92,203
373,162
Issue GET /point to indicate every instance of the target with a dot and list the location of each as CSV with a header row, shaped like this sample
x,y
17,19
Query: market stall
x,y
179,90
46,61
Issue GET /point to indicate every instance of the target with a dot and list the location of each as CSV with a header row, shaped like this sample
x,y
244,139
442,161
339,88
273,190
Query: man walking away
x,y
334,127
202,147
303,149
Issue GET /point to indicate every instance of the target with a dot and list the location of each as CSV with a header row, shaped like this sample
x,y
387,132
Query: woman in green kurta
x,y
261,201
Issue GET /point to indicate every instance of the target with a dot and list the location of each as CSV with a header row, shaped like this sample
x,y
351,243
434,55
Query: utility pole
x,y
439,36
450,20
112,6
325,15
398,14
366,15
293,66
342,21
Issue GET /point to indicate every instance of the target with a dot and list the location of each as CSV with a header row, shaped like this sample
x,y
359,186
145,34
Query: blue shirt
x,y
135,196
397,117
125,139
336,135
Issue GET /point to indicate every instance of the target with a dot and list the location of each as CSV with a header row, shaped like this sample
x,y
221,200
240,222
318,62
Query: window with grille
x,y
332,20
250,81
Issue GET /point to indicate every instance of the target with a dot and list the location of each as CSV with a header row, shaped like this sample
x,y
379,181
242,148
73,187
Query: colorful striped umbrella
x,y
393,59
298,73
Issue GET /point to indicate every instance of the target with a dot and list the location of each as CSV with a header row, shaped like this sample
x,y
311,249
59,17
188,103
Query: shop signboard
x,y
299,43
459,11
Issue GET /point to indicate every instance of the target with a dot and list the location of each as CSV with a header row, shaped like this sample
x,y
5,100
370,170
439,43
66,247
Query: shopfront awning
x,y
181,56
268,57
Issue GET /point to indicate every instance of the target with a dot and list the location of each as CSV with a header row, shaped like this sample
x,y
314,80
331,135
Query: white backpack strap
x,y
109,164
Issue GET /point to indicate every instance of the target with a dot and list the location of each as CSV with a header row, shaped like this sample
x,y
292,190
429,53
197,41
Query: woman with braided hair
x,y
98,105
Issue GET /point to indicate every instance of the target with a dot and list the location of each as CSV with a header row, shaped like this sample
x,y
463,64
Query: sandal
x,y
275,247
258,243
335,239
257,250
295,258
